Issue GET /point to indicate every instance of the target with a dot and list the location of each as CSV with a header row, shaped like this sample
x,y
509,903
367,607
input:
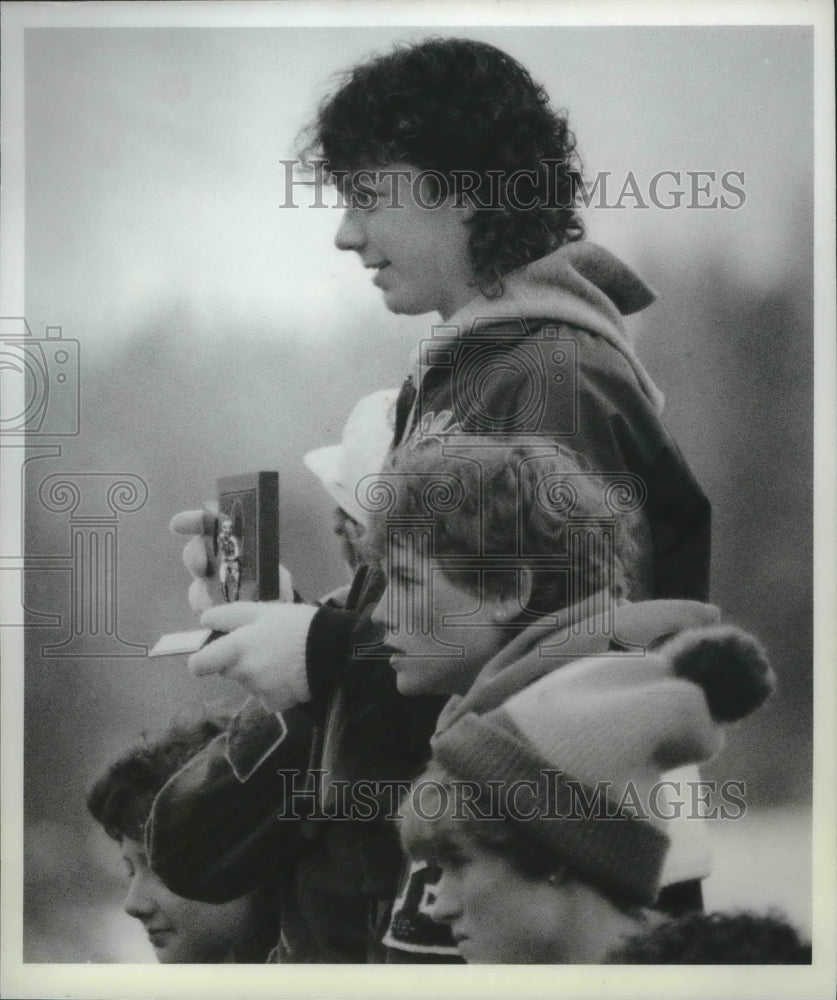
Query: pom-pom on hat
x,y
366,440
586,746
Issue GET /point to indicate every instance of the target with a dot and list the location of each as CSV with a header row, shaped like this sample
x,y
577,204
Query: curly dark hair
x,y
121,799
452,105
737,938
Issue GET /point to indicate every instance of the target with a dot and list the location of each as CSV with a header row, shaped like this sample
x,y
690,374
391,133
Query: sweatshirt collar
x,y
580,284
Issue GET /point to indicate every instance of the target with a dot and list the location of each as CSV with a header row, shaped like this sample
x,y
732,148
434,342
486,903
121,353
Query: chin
x,y
406,308
408,684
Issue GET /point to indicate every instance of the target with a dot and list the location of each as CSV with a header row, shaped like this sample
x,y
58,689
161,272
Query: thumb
x,y
195,522
226,617
200,598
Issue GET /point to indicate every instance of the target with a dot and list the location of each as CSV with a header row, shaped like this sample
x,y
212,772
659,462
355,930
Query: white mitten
x,y
264,651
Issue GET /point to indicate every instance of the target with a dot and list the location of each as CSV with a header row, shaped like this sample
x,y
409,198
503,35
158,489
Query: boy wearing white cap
x,y
366,439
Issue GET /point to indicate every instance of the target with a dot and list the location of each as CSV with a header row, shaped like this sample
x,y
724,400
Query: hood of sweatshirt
x,y
588,628
580,284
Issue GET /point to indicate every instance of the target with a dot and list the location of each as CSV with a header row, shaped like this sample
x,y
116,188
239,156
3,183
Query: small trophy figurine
x,y
229,550
241,533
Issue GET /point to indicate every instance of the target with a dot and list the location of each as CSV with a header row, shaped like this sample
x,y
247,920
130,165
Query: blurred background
x,y
219,333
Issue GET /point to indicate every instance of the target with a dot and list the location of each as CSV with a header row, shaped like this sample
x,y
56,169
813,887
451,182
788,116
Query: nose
x,y
350,235
442,901
139,902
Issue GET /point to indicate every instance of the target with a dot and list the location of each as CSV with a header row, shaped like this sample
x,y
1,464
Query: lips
x,y
397,658
159,936
379,269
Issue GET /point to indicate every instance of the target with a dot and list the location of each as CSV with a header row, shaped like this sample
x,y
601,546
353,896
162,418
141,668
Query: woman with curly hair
x,y
472,120
460,199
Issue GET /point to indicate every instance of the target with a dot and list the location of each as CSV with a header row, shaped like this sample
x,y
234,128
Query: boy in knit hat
x,y
505,563
544,815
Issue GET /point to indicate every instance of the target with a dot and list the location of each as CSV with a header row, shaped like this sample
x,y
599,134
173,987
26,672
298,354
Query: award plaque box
x,y
242,539
251,502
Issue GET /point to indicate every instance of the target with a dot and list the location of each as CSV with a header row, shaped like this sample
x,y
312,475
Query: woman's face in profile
x,y
183,930
497,914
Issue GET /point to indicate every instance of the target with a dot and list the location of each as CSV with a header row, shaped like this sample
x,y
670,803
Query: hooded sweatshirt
x,y
551,360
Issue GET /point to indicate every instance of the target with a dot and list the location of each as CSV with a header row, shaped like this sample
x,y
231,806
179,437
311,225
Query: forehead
x,y
398,185
436,840
376,171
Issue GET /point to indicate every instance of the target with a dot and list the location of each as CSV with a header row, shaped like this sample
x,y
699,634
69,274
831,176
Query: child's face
x,y
182,930
497,914
443,634
419,255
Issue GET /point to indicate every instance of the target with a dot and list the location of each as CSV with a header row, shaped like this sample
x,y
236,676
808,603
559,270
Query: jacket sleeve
x,y
328,649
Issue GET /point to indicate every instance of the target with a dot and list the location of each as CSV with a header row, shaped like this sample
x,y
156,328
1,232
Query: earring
x,y
556,877
498,616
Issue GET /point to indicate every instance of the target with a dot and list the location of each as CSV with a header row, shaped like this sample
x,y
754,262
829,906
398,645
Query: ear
x,y
559,876
508,608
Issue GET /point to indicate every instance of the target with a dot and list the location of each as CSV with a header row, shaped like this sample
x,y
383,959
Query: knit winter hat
x,y
585,746
367,438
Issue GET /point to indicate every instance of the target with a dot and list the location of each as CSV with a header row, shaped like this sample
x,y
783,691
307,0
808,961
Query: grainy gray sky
x,y
153,156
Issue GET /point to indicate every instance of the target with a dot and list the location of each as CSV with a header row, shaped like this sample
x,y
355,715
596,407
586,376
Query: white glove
x,y
205,590
264,651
